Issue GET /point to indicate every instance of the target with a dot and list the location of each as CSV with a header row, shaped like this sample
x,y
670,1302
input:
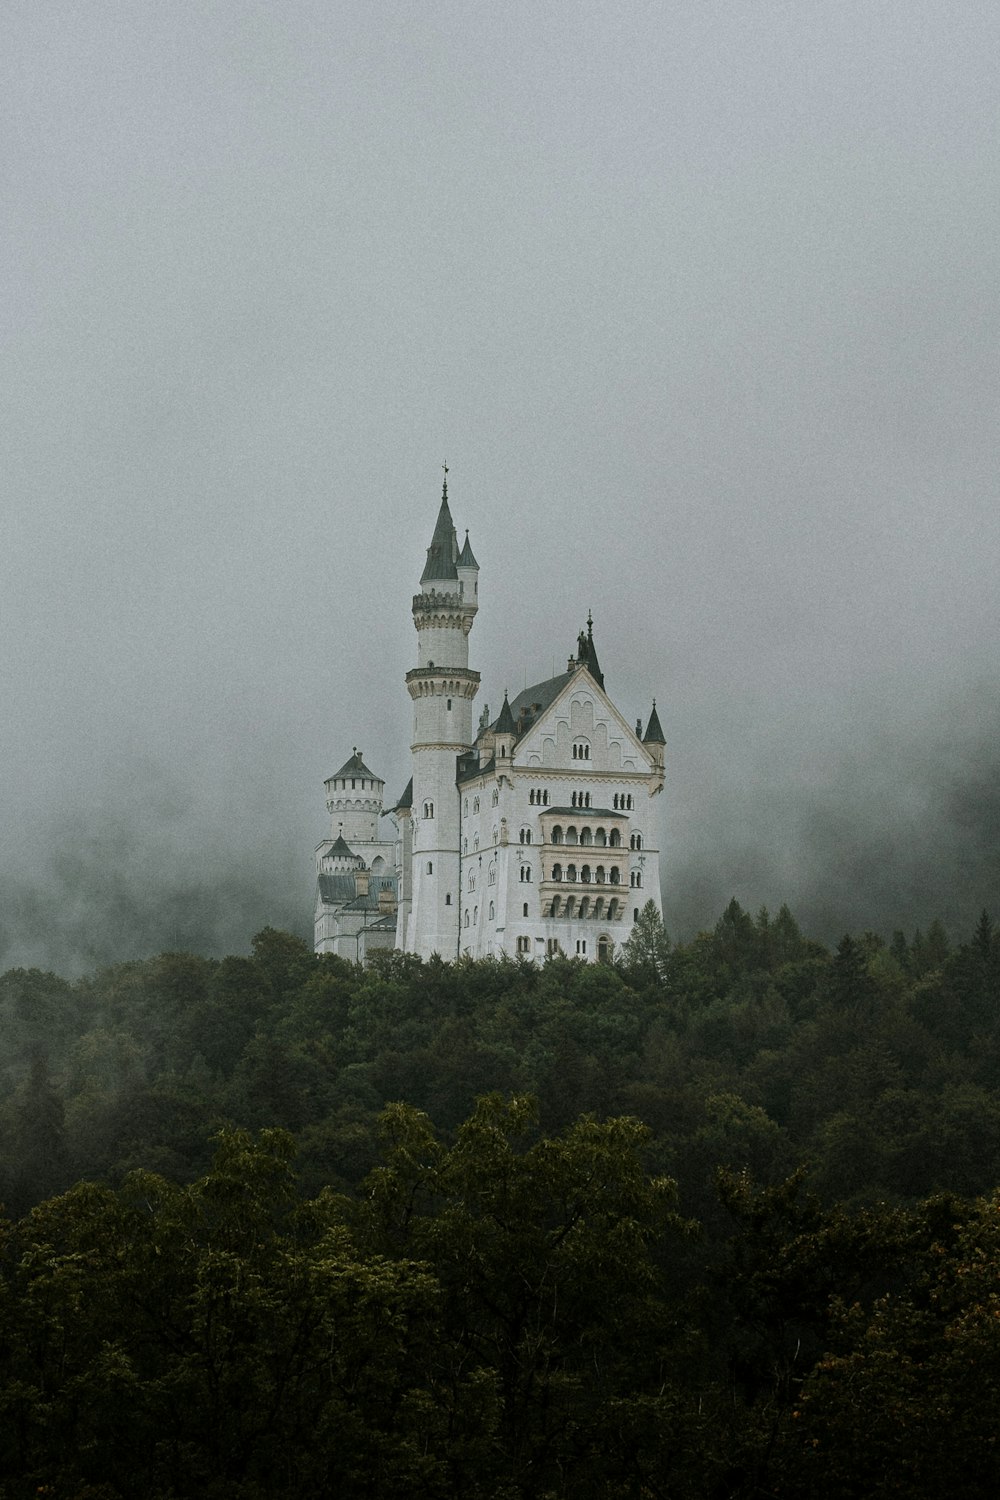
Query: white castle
x,y
536,835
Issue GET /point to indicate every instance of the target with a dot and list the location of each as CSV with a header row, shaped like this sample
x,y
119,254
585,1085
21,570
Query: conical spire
x,y
654,734
443,550
505,723
466,558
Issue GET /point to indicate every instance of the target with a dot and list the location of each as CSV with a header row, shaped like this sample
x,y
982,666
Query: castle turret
x,y
354,801
442,688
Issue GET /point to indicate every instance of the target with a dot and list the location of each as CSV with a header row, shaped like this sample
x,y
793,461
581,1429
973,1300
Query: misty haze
x,y
699,303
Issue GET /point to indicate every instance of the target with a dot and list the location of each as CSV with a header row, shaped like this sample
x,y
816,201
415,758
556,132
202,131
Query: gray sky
x,y
698,300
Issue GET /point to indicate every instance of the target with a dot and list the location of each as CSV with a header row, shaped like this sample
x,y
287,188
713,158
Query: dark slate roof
x,y
354,767
406,800
654,734
336,890
468,768
527,706
443,550
339,849
505,723
466,558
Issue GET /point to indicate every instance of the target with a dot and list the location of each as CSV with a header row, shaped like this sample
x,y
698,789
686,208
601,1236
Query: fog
x,y
698,301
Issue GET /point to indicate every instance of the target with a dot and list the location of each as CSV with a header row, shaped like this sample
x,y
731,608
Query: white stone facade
x,y
535,835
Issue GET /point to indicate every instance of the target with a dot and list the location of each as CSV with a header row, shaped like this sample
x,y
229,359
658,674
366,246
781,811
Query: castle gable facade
x,y
534,835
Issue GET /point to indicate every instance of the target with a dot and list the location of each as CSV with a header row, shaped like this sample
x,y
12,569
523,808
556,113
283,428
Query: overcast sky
x,y
698,300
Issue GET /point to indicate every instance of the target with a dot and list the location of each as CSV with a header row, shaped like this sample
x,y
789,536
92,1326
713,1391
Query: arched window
x,y
598,906
635,842
586,837
571,835
475,914
475,804
496,834
428,809
614,802
493,912
447,899
492,877
585,874
557,834
635,914
569,906
557,872
555,906
465,846
612,910
584,906
601,838
465,920
526,913
571,874
465,807
615,838
581,750
472,880
638,880
600,875
430,867
531,797
604,950
525,835
545,799
616,877
628,801
525,874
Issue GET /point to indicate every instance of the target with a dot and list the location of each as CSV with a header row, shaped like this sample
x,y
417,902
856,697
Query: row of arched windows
x,y
613,876
581,799
635,842
568,908
636,878
581,750
587,836
525,836
537,797
474,915
622,802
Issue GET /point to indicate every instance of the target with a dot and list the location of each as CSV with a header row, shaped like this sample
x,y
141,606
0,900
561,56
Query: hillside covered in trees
x,y
718,1219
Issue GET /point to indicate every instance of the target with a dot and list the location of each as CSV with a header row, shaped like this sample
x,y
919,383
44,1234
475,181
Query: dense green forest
x,y
718,1219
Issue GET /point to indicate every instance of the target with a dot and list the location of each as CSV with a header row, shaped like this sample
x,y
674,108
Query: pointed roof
x,y
586,652
340,849
443,550
654,734
354,767
505,723
466,559
406,800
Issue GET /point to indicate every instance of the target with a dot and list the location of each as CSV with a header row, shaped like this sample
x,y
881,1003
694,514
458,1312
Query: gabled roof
x,y
354,767
443,550
527,706
654,734
465,557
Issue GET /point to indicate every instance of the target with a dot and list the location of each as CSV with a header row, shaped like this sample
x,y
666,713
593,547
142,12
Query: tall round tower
x,y
442,688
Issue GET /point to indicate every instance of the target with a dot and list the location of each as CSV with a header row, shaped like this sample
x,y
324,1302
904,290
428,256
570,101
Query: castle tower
x,y
442,688
354,801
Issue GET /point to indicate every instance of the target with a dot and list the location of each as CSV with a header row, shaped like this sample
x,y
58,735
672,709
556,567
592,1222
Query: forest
x,y
717,1219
